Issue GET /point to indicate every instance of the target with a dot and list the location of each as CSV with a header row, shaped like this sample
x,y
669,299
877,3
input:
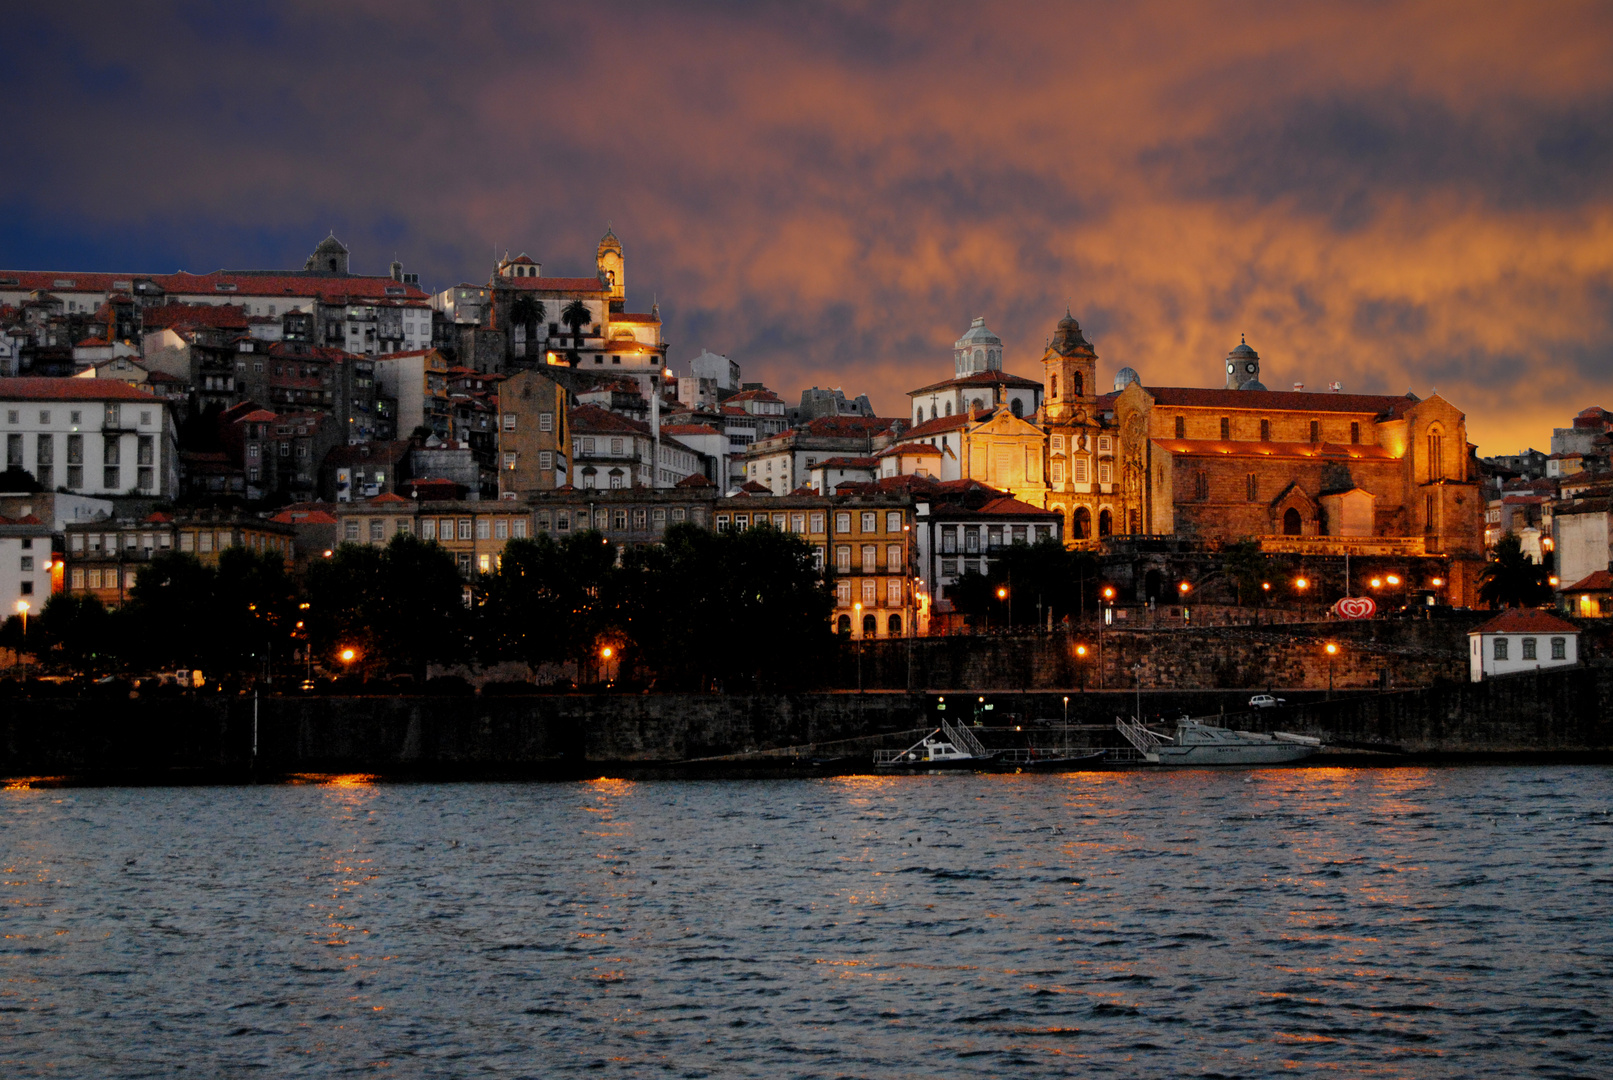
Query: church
x,y
1304,473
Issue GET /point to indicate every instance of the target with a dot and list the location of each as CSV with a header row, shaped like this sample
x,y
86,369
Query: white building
x,y
1518,640
720,370
90,436
25,565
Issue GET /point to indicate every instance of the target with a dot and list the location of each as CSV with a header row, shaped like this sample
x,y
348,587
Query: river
x,y
1246,923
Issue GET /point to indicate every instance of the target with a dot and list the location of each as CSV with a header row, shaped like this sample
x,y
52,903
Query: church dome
x,y
1069,341
978,334
1253,384
1125,377
608,242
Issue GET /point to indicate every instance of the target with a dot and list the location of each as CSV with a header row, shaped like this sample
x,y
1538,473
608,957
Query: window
x,y
1436,462
971,540
949,540
204,542
1181,427
464,528
678,513
1559,648
1253,493
843,559
616,446
78,578
1265,431
13,451
638,517
1106,444
620,519
869,553
1226,429
1500,648
870,592
509,421
1316,431
870,521
817,522
377,528
110,451
893,558
27,566
1529,649
403,526
518,527
484,528
501,529
1081,470
1355,431
562,521
484,563
843,593
428,529
1058,444
95,578
110,478
798,523
843,522
464,564
1201,484
1056,472
546,421
445,530
893,593
111,415
893,521
1105,472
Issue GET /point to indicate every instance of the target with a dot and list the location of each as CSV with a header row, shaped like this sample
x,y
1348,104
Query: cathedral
x,y
1306,473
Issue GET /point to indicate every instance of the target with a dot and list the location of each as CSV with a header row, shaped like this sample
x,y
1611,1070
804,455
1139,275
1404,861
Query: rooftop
x,y
1525,621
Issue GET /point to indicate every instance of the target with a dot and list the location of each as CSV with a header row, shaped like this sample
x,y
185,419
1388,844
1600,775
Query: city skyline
x,y
1395,199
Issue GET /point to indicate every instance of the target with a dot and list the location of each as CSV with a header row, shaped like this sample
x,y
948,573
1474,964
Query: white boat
x,y
947,747
1198,743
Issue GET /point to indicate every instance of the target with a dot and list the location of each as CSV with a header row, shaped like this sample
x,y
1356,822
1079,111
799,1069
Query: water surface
x,y
1394,923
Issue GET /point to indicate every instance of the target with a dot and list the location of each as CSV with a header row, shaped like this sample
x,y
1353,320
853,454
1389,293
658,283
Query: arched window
x,y
921,414
1018,409
1081,527
1436,460
977,404
843,625
1075,384
1106,523
949,408
893,625
870,626
1054,386
1292,524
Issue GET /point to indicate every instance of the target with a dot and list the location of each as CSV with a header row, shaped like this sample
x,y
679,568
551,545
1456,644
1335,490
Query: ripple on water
x,y
1405,923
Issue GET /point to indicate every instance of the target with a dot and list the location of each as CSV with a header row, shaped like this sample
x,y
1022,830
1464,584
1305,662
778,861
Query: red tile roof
x,y
693,480
980,378
166,316
752,487
1525,621
939,426
304,517
754,395
689,429
848,463
1599,581
389,498
1190,397
69,389
848,426
329,288
916,449
592,418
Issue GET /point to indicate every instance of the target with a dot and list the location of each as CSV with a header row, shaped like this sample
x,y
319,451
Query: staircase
x,y
1139,736
963,738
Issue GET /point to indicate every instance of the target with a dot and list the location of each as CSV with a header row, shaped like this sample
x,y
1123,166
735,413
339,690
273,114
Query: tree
x,y
399,607
1246,569
18,481
527,312
576,316
168,618
1511,578
1064,582
75,630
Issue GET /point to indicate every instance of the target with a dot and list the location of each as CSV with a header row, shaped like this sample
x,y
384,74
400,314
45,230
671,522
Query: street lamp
x,y
1081,657
858,628
1332,650
1107,609
1184,588
22,656
1002,594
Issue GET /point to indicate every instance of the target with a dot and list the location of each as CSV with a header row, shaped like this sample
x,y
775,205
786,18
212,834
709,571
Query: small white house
x,y
1518,640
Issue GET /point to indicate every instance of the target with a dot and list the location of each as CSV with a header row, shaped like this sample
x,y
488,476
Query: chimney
x,y
1298,387
1336,387
397,271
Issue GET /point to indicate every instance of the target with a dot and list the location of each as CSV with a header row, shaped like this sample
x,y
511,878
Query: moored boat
x,y
947,747
1198,743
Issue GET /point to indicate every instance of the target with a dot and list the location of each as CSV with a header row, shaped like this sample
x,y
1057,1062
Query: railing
x,y
962,736
1139,736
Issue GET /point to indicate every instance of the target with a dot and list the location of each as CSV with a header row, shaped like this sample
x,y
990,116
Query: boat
x,y
1198,743
947,747
1047,761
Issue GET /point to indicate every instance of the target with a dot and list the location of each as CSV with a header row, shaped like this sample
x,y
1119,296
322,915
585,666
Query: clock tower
x,y
1243,367
1069,368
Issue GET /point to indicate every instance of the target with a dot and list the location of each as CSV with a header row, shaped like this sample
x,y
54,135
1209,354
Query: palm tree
x,y
576,315
1511,579
527,312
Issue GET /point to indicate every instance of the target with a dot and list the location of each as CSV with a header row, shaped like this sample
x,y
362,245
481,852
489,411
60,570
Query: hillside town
x,y
300,414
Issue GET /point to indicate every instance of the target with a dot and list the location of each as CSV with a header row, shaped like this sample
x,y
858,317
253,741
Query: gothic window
x,y
1436,463
1201,485
1316,431
1075,384
1265,431
1017,407
1181,427
1226,429
1106,523
1253,493
1292,523
1082,525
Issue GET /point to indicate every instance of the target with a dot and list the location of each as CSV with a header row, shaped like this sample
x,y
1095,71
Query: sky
x,y
1396,196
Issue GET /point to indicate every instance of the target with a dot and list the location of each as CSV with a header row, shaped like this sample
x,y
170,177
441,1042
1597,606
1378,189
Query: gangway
x,y
962,736
1146,742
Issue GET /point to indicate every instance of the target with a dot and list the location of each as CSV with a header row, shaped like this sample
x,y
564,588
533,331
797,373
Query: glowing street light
x,y
606,653
23,608
349,655
1376,583
1437,582
1301,584
1332,650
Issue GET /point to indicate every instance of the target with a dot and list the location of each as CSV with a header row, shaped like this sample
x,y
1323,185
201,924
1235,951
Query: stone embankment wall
x,y
1377,654
167,740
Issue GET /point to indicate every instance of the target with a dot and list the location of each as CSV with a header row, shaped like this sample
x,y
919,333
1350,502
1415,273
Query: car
x,y
1266,701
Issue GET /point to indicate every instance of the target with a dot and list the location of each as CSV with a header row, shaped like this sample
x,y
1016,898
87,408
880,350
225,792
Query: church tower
x,y
977,350
1069,369
1243,368
611,269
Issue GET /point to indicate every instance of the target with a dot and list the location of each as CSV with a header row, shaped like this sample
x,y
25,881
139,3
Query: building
x,y
27,565
1581,535
104,557
418,382
717,370
1521,640
609,450
1590,597
534,435
355,473
816,402
785,461
90,436
963,524
864,539
627,517
474,533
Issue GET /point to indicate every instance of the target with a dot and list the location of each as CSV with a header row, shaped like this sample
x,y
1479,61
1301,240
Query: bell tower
x,y
1243,367
612,268
1069,368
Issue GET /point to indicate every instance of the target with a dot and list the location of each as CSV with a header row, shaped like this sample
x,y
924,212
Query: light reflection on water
x,y
1411,923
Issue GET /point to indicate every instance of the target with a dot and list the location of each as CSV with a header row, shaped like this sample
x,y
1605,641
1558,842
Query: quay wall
x,y
1562,712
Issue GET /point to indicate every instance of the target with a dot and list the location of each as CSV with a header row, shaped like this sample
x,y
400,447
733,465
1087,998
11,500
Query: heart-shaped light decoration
x,y
1355,607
